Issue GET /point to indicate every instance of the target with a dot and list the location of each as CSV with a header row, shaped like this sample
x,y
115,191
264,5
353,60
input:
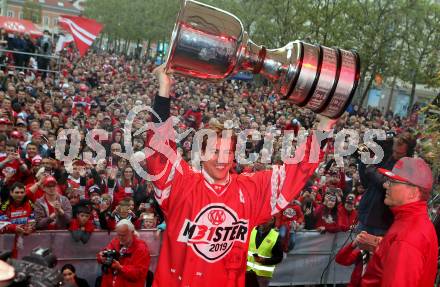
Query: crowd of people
x,y
40,192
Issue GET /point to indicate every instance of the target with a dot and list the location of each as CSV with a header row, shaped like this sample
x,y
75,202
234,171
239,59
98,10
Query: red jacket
x,y
134,263
326,219
345,218
408,253
16,214
349,255
292,212
74,225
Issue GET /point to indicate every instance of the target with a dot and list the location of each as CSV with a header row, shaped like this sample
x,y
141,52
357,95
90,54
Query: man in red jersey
x,y
407,255
210,213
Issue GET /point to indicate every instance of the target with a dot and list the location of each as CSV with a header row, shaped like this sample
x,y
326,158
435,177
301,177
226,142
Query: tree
x,y
421,60
32,11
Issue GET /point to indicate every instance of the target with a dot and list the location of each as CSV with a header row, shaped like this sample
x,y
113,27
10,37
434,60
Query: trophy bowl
x,y
210,44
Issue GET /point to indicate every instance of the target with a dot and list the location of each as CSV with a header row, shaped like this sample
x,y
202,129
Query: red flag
x,y
83,30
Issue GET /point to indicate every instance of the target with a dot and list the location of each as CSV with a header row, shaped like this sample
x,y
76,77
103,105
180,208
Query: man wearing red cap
x,y
52,211
408,253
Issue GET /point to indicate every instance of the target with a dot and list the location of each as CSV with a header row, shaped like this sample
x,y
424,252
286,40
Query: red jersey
x,y
14,167
74,225
325,218
16,214
408,253
208,225
289,214
346,219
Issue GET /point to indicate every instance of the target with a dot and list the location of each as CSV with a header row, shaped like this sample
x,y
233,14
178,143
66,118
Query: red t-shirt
x,y
51,209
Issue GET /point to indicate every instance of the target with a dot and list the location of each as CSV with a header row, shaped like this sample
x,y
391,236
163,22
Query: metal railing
x,y
35,55
303,265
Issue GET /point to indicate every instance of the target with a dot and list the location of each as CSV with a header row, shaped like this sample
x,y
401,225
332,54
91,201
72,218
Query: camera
x,y
109,256
37,269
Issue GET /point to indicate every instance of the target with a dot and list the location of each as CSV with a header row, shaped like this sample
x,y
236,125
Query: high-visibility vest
x,y
264,251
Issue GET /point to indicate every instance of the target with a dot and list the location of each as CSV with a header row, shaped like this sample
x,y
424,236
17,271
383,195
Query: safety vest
x,y
264,251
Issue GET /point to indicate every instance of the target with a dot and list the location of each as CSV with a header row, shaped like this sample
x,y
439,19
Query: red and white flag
x,y
83,30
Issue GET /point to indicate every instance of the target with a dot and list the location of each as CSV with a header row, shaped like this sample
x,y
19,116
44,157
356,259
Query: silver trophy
x,y
209,43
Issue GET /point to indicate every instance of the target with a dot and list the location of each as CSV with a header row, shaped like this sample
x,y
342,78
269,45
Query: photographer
x,y
125,260
374,216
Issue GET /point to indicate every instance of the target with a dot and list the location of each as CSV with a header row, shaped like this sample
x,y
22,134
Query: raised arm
x,y
164,163
279,186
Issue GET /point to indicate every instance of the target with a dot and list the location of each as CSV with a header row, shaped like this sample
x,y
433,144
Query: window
x,y
46,20
61,4
55,21
10,13
41,1
20,15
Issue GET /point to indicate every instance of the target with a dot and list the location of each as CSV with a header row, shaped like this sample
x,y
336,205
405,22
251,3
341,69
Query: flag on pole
x,y
83,30
63,42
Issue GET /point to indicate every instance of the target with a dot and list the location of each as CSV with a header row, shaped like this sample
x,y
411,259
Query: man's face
x,y
50,189
75,171
10,150
399,150
221,162
397,193
47,164
18,194
83,218
74,198
124,234
123,211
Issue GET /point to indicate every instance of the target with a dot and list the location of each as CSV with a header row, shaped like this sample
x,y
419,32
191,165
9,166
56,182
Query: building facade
x,y
50,11
398,98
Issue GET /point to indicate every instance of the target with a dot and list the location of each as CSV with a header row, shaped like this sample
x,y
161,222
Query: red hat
x,y
36,160
83,88
36,134
412,170
5,121
79,162
17,135
49,180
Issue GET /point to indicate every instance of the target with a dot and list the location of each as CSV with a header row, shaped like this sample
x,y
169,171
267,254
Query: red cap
x,y
49,181
17,135
412,170
36,160
5,121
83,88
36,134
79,162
